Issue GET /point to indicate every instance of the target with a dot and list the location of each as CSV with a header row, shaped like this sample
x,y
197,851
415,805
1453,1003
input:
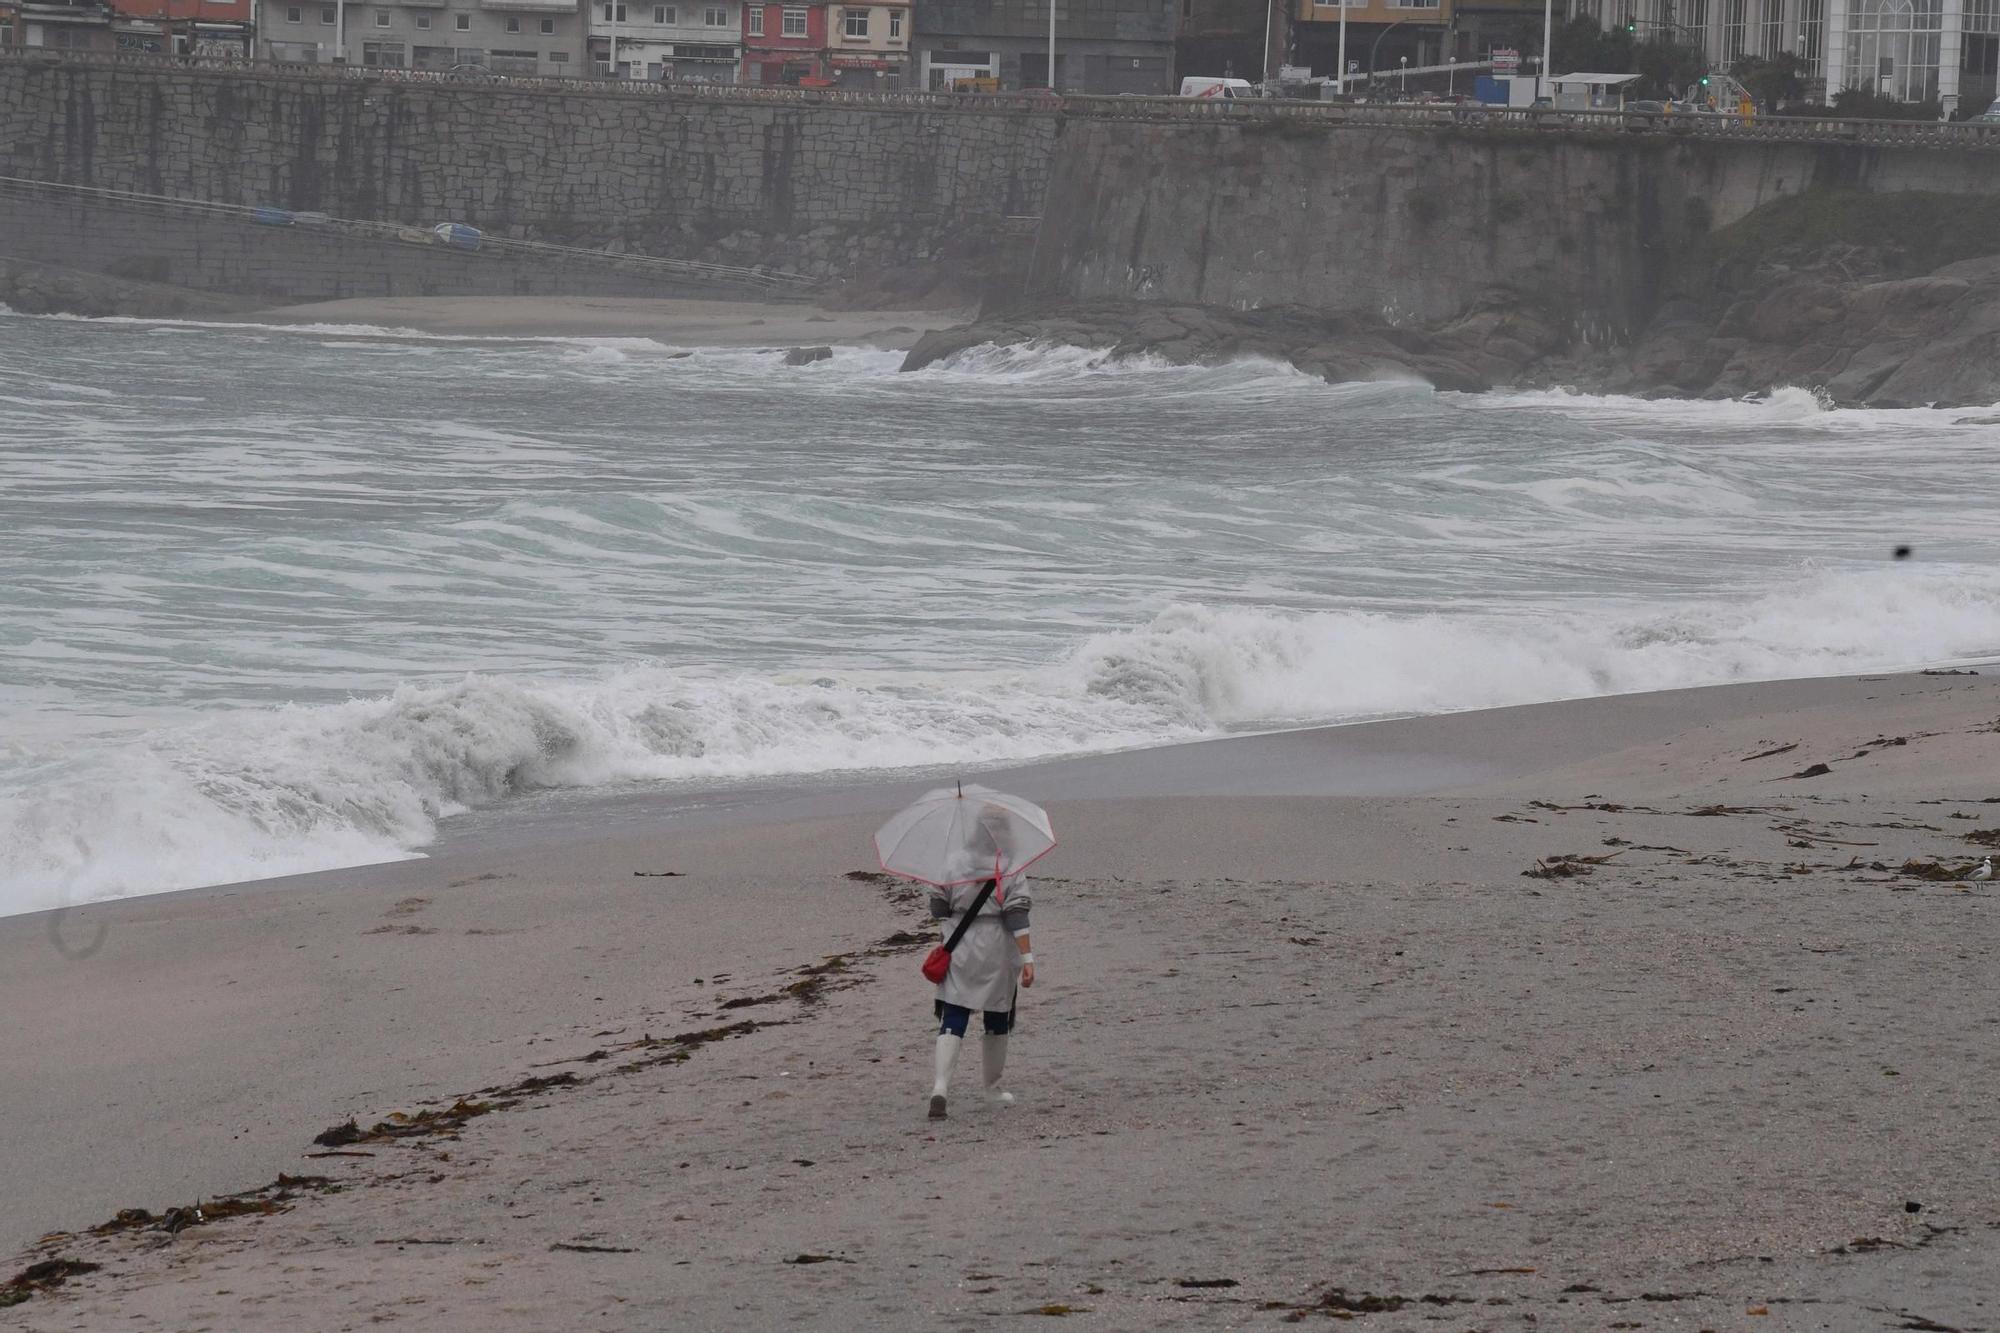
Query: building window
x,y
557,57
664,14
424,22
381,18
621,14
895,24
548,27
463,22
854,23
513,25
794,23
1892,48
511,62
382,55
1812,23
327,15
296,14
754,21
716,16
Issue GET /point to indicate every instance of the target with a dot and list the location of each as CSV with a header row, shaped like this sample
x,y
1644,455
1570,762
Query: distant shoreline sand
x,y
1554,1006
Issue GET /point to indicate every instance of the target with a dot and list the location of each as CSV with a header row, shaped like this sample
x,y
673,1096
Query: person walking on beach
x,y
993,958
972,847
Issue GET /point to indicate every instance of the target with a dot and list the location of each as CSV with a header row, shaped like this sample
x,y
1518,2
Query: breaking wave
x,y
260,792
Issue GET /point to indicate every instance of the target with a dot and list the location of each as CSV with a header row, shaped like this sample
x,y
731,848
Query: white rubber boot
x,y
995,1060
943,1062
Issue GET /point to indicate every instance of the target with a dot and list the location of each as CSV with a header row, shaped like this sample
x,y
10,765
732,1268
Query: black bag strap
x,y
958,931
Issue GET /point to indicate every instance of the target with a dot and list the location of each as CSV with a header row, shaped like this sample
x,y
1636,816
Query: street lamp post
x,y
1052,45
1375,49
1403,76
1340,79
1548,33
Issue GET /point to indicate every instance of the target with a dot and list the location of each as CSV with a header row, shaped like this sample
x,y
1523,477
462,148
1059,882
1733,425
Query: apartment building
x,y
185,27
868,45
64,25
1904,50
500,36
1382,35
1102,46
785,44
687,40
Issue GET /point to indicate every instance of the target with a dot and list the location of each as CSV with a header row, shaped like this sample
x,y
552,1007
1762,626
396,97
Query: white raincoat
x,y
986,965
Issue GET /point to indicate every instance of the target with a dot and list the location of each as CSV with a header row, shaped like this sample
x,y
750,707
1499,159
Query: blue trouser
x,y
954,1018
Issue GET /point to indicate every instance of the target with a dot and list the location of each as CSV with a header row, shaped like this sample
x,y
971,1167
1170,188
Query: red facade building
x,y
785,44
186,27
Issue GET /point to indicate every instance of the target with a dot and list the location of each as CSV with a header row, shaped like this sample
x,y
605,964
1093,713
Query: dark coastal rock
x,y
30,288
805,356
1338,348
1873,342
1844,326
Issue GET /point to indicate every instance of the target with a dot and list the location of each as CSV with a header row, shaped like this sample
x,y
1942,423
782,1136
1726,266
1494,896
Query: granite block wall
x,y
287,264
813,189
1416,224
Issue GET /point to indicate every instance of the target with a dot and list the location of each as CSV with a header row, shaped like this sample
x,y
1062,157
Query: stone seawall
x,y
1414,225
287,264
816,189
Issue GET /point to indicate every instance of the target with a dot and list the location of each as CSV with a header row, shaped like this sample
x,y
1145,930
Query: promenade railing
x,y
769,281
1166,110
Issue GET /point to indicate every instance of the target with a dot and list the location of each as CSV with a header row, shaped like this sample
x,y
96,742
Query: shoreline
x,y
1320,760
675,322
694,1052
272,1006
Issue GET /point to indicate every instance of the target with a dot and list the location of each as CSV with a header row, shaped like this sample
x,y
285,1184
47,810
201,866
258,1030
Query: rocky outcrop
x,y
29,288
1488,346
1863,340
1897,342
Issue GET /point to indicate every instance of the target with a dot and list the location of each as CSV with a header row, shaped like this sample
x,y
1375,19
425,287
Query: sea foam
x,y
260,792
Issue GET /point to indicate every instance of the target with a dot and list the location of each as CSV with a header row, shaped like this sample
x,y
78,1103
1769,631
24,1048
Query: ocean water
x,y
282,600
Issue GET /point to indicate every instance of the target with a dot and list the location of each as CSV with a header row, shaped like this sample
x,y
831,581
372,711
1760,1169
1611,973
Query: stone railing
x,y
767,281
1181,110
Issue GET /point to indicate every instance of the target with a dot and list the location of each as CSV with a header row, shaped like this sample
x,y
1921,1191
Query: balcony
x,y
532,6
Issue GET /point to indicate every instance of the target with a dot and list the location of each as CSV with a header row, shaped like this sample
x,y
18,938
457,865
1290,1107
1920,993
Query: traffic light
x,y
1631,25
1704,80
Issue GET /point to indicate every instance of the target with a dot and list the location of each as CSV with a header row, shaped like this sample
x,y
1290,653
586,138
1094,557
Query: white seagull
x,y
1984,872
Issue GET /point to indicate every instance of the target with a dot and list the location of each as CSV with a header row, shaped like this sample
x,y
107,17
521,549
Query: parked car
x,y
1990,116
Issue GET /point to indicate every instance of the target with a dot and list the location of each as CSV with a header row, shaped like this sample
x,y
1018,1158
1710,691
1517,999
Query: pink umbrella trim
x,y
882,861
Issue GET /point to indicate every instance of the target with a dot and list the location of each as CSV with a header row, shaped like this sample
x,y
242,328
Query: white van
x,y
1228,89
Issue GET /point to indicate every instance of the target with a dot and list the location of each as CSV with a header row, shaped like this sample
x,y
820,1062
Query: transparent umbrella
x,y
964,834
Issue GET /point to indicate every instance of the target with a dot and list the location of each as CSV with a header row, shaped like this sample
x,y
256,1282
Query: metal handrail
x,y
399,234
1185,110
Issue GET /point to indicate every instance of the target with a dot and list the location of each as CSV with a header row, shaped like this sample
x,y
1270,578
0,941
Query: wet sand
x,y
1307,1038
677,323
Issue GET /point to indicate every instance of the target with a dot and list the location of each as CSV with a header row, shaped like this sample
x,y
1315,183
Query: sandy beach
x,y
683,323
1662,1011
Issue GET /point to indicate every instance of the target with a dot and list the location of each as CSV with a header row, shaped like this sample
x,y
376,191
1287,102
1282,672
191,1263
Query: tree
x,y
1662,63
1773,81
1864,104
1667,67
